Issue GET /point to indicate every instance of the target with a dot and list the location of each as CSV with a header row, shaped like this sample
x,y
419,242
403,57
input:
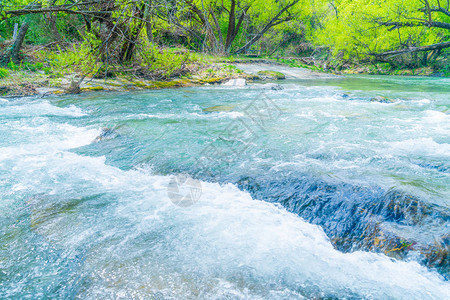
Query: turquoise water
x,y
295,187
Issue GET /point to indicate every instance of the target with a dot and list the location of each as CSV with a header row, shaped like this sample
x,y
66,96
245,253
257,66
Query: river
x,y
308,191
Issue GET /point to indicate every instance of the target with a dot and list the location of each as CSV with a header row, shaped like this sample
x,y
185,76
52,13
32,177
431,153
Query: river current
x,y
310,191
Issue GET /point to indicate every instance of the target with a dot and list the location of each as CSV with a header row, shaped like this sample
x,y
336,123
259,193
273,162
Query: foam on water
x,y
423,146
74,226
255,247
194,115
40,108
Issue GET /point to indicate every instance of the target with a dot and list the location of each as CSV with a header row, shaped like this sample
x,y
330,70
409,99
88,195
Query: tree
x,y
15,50
427,16
116,23
220,22
383,29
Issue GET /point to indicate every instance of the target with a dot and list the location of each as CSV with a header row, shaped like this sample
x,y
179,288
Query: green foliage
x,y
352,29
445,70
340,32
165,62
78,58
11,65
33,67
3,73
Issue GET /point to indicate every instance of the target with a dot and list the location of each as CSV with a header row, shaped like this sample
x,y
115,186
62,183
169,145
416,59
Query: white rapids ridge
x,y
227,244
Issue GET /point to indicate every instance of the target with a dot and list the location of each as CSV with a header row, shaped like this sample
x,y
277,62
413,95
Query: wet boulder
x,y
381,99
342,95
236,82
106,134
272,86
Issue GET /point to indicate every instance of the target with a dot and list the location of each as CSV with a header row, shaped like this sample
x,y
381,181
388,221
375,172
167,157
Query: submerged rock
x,y
271,75
106,134
219,108
362,218
381,99
236,82
342,95
272,86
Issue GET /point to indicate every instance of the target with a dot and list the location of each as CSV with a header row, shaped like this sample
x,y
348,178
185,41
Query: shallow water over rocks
x,y
309,191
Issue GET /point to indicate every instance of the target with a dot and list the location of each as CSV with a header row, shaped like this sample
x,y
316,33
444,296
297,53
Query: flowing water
x,y
310,191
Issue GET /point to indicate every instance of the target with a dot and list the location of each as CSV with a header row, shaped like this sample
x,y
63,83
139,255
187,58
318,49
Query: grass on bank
x,y
48,67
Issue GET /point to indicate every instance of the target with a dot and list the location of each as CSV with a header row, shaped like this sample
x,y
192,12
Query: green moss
x,y
113,84
252,77
272,74
93,88
162,84
140,84
212,80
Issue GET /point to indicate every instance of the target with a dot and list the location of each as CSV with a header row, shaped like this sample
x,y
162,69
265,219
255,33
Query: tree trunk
x,y
214,42
148,20
390,54
231,24
15,51
51,18
275,21
233,29
129,45
149,29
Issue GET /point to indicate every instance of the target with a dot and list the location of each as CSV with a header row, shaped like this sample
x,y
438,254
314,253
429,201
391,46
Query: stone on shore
x,y
236,82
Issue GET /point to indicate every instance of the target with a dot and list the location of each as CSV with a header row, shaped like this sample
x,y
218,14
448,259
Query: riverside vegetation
x,y
306,183
138,44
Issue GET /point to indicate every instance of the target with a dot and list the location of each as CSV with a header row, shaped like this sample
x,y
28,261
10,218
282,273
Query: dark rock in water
x,y
272,86
381,99
342,95
106,134
362,218
441,74
354,217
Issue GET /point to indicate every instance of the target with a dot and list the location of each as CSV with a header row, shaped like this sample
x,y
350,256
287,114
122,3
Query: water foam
x,y
227,241
41,108
129,240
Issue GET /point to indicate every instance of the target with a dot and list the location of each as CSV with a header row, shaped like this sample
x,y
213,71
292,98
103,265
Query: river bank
x,y
26,81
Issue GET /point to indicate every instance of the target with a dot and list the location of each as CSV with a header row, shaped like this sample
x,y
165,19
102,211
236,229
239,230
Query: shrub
x,y
163,63
78,58
11,65
3,73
